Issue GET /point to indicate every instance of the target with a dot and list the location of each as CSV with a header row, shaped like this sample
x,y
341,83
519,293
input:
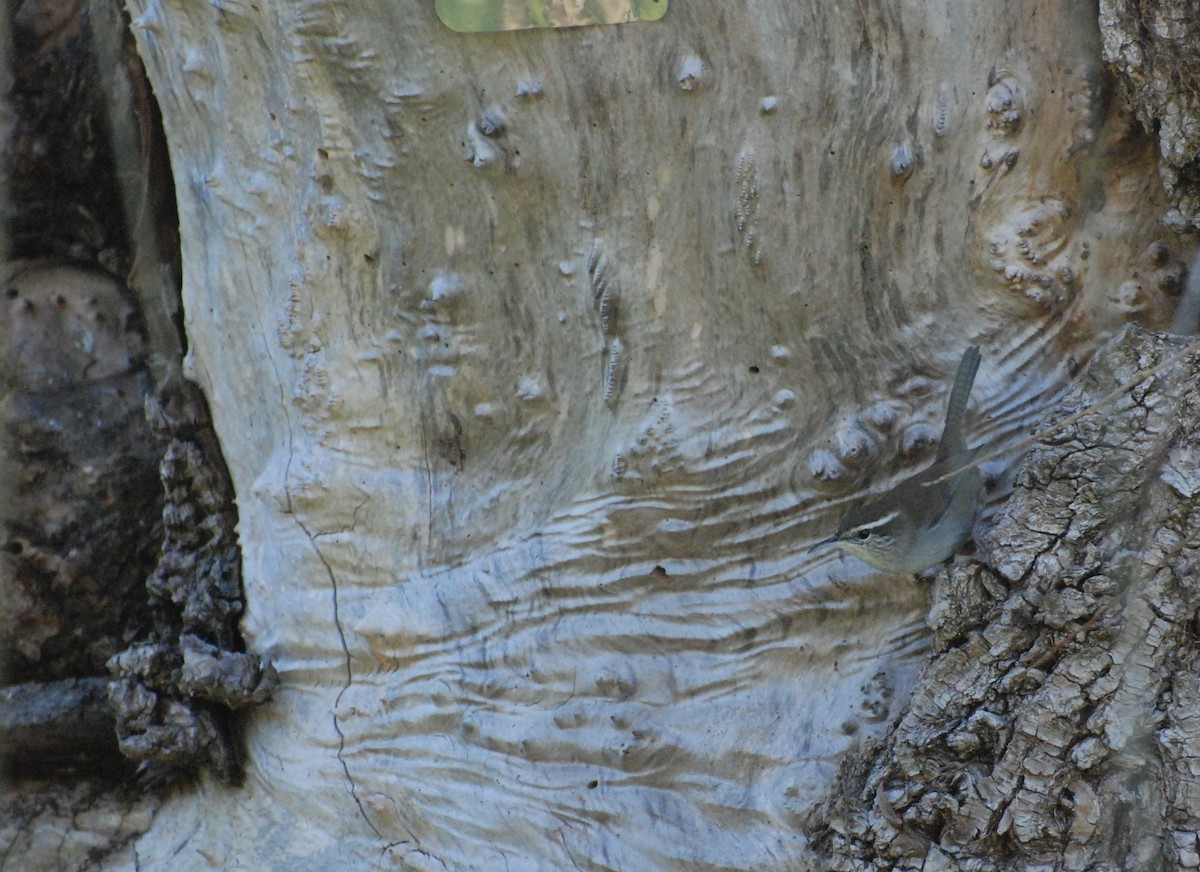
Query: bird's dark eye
x,y
862,535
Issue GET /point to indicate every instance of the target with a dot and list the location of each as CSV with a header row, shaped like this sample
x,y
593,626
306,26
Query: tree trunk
x,y
538,360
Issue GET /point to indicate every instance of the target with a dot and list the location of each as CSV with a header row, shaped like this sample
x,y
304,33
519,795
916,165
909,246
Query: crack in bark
x,y
337,621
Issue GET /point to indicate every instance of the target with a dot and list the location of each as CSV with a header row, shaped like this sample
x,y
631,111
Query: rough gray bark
x,y
1055,725
1154,47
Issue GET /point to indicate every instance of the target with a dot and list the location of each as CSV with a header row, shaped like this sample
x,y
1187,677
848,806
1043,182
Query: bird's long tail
x,y
953,440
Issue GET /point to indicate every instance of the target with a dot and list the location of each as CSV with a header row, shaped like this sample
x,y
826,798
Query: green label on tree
x,y
483,16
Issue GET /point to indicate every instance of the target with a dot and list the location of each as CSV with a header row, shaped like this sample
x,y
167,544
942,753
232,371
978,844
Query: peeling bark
x,y
173,692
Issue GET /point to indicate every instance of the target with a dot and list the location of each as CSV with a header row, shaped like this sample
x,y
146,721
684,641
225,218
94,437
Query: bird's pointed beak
x,y
823,542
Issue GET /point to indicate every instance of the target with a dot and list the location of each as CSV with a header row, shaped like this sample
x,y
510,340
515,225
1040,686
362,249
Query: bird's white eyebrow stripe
x,y
878,522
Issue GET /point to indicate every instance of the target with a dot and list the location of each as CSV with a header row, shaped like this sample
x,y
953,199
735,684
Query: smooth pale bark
x,y
538,359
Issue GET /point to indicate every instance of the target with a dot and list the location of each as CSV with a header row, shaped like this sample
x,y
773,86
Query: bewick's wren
x,y
922,520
